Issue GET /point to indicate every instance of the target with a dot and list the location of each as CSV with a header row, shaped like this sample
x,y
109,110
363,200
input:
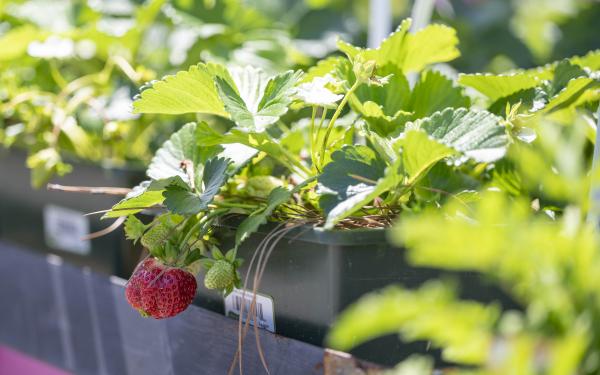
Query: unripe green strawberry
x,y
156,235
261,186
220,276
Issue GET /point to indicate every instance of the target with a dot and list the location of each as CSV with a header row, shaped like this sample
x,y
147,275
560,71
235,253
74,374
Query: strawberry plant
x,y
372,145
352,142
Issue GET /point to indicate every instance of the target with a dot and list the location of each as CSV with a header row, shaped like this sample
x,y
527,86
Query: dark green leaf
x,y
278,196
353,169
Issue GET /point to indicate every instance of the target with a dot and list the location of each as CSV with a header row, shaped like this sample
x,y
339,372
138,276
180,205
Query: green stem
x,y
57,76
235,205
312,136
205,220
323,117
290,161
335,116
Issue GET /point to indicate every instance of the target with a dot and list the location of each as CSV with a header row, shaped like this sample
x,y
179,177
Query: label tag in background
x,y
265,313
64,229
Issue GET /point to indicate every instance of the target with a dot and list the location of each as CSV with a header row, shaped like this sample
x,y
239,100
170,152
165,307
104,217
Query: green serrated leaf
x,y
411,52
499,86
258,141
254,100
181,146
355,176
420,152
145,195
182,200
191,91
563,73
570,95
134,228
385,108
478,135
434,92
352,170
591,60
214,176
390,179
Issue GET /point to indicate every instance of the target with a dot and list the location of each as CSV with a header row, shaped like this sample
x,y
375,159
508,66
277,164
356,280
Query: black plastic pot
x,y
53,221
312,275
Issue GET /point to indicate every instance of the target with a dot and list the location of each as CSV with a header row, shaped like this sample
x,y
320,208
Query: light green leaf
x,y
433,44
258,141
500,85
145,195
590,60
434,92
420,152
44,164
411,52
254,100
476,134
134,228
385,108
322,68
15,42
419,315
191,91
574,89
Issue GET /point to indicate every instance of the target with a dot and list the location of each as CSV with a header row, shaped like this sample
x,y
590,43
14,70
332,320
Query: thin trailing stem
x,y
89,189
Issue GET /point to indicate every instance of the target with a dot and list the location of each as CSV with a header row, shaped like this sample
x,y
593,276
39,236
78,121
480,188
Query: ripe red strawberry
x,y
160,291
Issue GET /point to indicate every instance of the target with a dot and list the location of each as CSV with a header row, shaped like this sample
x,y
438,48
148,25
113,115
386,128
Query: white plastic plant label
x,y
265,314
64,229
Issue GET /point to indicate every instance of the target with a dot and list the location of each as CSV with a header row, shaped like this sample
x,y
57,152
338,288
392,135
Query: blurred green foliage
x,y
535,244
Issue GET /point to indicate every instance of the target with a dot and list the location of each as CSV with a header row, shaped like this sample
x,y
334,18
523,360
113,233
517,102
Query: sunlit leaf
x,y
431,313
255,100
478,135
411,52
420,152
498,86
190,91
